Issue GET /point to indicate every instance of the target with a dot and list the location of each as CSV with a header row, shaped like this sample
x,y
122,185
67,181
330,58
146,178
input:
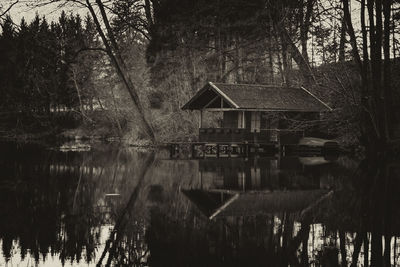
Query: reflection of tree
x,y
365,211
54,203
265,240
113,245
37,209
346,228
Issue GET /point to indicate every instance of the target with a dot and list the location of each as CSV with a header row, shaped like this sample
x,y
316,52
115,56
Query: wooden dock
x,y
199,150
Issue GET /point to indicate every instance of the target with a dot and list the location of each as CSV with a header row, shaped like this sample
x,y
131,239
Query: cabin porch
x,y
246,126
237,135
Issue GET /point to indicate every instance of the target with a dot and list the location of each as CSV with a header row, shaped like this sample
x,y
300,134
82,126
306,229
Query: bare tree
x,y
374,70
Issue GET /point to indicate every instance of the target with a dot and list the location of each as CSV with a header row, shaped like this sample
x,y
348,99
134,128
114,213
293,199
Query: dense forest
x,y
127,67
40,64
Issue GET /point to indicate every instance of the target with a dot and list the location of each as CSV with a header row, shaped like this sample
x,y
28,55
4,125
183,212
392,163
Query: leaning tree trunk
x,y
119,64
297,56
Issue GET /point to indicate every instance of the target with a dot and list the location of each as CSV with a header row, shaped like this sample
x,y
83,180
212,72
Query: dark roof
x,y
259,97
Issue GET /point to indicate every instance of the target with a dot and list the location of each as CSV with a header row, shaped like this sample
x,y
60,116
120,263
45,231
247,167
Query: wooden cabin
x,y
253,113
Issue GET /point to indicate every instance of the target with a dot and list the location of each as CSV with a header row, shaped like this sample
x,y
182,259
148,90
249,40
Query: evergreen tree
x,y
8,70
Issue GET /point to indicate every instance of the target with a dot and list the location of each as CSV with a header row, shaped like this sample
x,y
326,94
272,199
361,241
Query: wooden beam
x,y
229,202
186,106
223,95
201,119
222,109
260,110
209,103
319,100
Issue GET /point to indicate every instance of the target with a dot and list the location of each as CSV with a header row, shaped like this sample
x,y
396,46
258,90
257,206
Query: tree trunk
x,y
357,248
342,41
387,75
366,249
370,129
297,56
74,78
238,60
342,240
350,30
377,74
119,64
149,17
270,51
284,50
305,27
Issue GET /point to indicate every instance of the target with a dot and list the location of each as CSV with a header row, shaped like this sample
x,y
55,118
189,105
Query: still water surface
x,y
123,207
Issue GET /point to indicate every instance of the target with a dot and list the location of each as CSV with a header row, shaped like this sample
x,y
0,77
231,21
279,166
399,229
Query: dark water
x,y
123,207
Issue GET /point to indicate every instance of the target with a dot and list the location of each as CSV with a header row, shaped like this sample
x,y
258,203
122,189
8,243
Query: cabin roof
x,y
255,97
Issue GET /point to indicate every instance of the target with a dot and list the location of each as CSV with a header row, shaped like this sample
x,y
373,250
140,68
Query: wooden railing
x,y
230,135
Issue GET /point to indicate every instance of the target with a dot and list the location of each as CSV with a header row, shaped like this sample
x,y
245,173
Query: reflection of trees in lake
x,y
55,203
268,240
158,187
366,213
32,212
357,217
250,228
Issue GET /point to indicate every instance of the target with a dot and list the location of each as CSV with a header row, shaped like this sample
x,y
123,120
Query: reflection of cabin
x,y
254,113
223,204
264,174
238,187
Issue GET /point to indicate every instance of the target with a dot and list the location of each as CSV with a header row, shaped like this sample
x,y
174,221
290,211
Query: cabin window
x,y
255,121
241,120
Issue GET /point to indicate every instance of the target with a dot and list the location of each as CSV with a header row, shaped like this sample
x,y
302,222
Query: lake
x,y
121,206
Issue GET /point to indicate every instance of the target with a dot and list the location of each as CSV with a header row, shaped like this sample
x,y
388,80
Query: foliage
x,y
37,65
168,49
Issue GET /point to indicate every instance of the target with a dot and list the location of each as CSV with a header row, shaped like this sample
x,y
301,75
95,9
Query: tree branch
x,y
9,8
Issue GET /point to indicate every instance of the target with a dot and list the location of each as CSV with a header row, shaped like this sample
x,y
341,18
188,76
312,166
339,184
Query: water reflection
x,y
58,207
120,207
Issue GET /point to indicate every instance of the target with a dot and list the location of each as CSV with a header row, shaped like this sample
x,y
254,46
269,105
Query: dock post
x,y
218,150
171,150
201,179
193,150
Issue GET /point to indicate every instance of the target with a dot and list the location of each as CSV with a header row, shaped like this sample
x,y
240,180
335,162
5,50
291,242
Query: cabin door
x,y
255,121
